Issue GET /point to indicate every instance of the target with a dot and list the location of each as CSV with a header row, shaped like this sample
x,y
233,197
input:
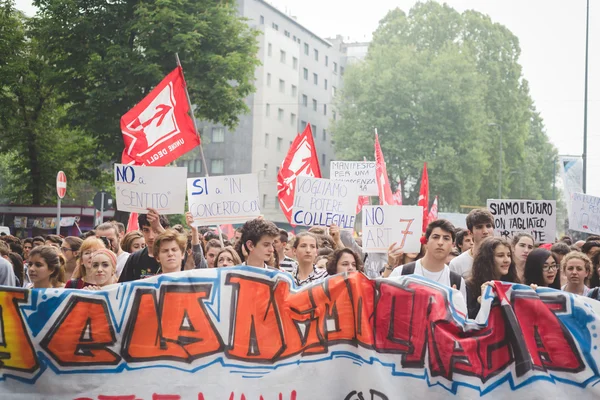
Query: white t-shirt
x,y
462,264
442,277
121,260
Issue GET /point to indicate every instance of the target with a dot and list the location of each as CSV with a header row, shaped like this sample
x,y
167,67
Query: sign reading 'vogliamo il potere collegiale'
x,y
247,333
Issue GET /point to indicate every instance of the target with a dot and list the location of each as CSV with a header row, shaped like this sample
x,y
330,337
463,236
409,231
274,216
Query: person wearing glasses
x,y
542,269
70,249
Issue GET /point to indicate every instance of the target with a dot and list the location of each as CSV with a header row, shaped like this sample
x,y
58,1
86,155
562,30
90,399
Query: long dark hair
x,y
595,279
484,265
335,258
533,268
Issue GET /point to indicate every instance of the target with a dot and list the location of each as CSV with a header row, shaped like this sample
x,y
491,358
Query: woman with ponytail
x,y
46,268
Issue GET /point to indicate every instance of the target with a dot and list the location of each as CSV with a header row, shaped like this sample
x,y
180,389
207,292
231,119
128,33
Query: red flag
x,y
397,197
159,129
301,159
383,183
132,222
228,230
424,196
362,201
433,213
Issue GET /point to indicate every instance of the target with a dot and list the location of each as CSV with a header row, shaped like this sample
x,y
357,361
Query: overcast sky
x,y
552,39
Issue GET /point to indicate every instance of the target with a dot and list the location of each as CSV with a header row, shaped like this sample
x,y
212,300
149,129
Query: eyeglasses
x,y
548,267
64,249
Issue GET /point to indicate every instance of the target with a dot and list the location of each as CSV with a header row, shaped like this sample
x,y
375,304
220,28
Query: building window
x,y
295,63
326,61
268,110
264,201
217,166
324,109
294,90
266,140
268,79
218,135
286,33
294,39
282,86
315,79
325,84
302,126
306,48
279,146
293,119
341,70
322,159
314,105
298,40
198,164
314,130
265,169
280,114
333,91
275,26
282,56
334,115
276,202
324,134
305,74
277,169
305,100
262,20
269,49
316,55
335,67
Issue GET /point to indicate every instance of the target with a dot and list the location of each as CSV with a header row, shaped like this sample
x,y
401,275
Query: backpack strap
x,y
594,293
455,279
409,269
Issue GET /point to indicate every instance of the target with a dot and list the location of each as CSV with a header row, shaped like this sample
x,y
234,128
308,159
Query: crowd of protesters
x,y
467,260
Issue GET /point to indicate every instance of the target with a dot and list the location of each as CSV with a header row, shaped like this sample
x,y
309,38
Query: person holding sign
x,y
439,237
306,248
480,225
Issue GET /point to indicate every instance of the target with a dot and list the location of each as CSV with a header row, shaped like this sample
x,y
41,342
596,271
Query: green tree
x,y
441,87
108,55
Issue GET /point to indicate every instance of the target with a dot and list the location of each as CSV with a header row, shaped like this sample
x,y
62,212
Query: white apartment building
x,y
295,85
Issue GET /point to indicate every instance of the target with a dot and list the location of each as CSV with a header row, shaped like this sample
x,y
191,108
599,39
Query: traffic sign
x,y
61,184
103,201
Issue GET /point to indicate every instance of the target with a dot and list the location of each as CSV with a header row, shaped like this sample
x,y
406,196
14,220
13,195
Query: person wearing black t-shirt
x,y
142,263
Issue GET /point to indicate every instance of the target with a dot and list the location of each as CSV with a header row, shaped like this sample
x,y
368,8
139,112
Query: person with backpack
x,y
438,240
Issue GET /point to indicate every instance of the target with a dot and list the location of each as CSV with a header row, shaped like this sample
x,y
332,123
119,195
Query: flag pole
x,y
193,117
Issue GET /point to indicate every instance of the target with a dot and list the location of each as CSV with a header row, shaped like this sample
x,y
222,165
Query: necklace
x,y
439,276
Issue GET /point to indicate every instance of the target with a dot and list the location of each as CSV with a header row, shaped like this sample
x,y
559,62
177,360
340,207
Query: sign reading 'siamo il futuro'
x,y
537,217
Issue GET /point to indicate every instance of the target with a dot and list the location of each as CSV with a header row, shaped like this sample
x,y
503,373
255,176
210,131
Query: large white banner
x,y
246,333
585,213
361,173
139,188
323,202
385,225
226,199
536,217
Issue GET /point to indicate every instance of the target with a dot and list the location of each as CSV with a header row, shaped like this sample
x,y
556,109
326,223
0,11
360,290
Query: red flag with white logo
x,y
397,197
159,129
301,159
132,222
362,201
433,213
383,183
424,197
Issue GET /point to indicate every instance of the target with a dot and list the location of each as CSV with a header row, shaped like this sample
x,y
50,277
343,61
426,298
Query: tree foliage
x,y
440,87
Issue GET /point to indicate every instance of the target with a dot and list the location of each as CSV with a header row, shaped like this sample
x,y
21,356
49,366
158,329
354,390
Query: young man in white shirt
x,y
480,224
439,237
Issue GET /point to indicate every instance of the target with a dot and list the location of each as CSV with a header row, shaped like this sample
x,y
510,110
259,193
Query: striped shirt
x,y
317,274
288,264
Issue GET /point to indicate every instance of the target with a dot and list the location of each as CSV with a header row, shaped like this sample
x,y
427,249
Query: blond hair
x,y
91,243
576,255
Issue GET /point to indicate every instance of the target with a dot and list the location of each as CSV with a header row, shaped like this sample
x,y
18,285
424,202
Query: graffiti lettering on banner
x,y
244,332
223,199
361,173
537,217
323,202
139,188
384,225
585,213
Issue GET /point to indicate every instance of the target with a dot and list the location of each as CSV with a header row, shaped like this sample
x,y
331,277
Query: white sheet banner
x,y
362,173
140,188
227,199
384,225
537,217
585,213
323,202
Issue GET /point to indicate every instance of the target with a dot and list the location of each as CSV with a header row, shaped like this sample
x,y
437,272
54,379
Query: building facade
x,y
296,83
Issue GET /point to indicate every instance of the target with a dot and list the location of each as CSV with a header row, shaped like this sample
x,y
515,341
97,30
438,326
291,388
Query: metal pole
x,y
58,217
193,117
500,169
102,207
585,100
554,179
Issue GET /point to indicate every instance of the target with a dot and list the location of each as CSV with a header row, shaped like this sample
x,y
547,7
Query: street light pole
x,y
585,100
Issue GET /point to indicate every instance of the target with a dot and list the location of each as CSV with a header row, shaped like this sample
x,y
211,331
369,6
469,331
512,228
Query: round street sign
x,y
61,184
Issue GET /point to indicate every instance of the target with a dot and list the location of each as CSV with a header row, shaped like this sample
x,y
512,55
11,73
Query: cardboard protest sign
x,y
585,213
226,199
384,225
248,333
323,202
362,173
139,188
537,217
